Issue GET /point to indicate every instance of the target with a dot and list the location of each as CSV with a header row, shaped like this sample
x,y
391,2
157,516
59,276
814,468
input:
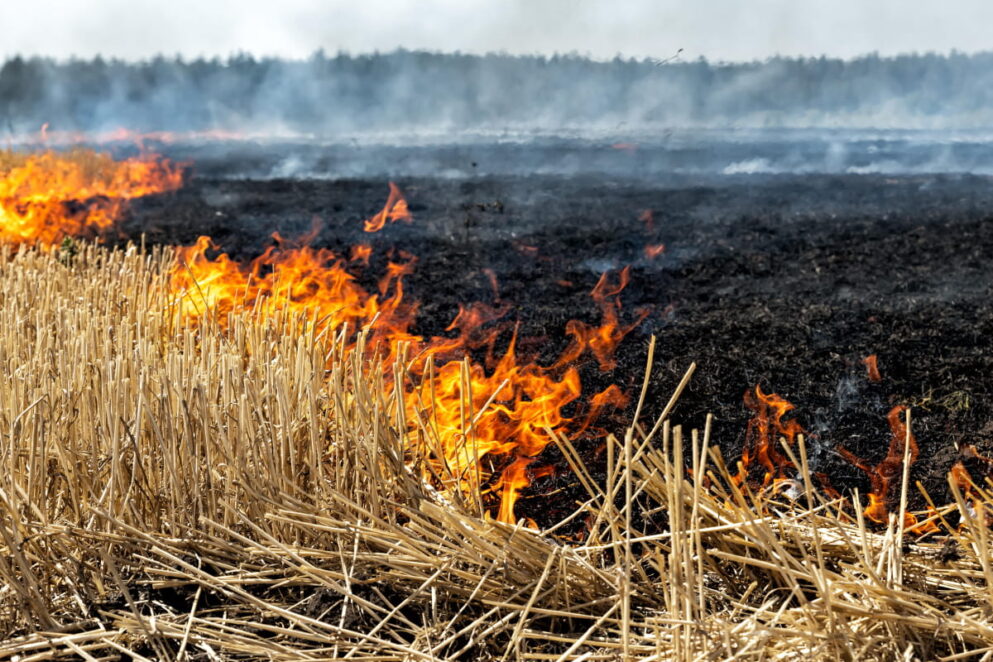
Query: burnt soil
x,y
787,282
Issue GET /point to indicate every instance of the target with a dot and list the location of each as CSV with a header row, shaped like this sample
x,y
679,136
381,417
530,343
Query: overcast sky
x,y
715,29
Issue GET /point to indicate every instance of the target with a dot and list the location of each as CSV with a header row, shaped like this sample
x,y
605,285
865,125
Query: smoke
x,y
376,114
725,30
678,156
410,92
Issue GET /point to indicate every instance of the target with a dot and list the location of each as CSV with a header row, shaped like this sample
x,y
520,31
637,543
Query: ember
x,y
652,251
872,369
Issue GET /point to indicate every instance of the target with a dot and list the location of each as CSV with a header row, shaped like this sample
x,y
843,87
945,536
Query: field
x,y
204,461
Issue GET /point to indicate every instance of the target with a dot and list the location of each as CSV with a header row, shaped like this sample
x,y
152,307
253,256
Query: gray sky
x,y
715,29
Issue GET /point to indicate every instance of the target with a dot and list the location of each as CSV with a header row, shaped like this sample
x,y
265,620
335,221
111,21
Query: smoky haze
x,y
719,30
411,92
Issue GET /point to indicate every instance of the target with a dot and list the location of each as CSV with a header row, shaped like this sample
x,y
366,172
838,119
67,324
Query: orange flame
x,y
887,473
762,437
47,196
602,340
963,479
652,251
361,254
487,421
299,280
872,368
394,210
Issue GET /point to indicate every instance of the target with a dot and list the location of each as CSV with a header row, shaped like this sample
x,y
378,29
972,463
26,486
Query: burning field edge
x,y
179,491
210,459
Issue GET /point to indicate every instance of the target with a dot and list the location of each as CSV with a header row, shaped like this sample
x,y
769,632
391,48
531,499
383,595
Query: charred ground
x,y
783,281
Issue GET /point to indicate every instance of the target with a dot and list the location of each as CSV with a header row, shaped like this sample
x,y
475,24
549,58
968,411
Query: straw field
x,y
172,491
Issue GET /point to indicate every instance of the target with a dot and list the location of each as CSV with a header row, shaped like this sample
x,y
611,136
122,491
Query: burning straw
x,y
48,196
178,491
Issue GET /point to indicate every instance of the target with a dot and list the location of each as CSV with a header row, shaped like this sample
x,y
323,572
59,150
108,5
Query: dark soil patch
x,y
786,282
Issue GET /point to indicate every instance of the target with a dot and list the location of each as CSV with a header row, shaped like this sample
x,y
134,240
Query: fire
x,y
602,340
295,279
485,421
47,196
872,369
525,399
360,254
765,429
963,479
887,473
394,210
652,251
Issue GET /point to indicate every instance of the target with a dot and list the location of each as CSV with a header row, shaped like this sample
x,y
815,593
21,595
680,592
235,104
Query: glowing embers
x,y
872,369
653,251
762,463
47,196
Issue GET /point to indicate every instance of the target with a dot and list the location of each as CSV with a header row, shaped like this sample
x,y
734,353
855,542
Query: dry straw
x,y
173,493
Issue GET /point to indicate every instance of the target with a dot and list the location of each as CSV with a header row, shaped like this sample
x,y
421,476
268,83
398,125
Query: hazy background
x,y
732,30
732,87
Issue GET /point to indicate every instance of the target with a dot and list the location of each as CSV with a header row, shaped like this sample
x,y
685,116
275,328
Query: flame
x,y
762,435
887,473
295,279
652,251
394,210
360,254
512,481
47,196
872,368
601,340
485,422
963,479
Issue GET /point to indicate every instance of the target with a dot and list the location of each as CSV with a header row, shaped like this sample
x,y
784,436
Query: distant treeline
x,y
406,90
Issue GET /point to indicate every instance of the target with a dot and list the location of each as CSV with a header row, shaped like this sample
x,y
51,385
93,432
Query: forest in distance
x,y
413,90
